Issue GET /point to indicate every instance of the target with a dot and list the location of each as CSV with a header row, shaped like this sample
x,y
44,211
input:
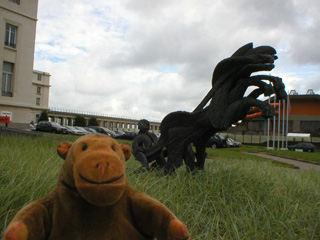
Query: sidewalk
x,y
300,164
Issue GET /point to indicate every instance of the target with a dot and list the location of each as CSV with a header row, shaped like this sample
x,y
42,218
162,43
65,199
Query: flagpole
x,y
274,123
279,116
283,116
268,129
287,125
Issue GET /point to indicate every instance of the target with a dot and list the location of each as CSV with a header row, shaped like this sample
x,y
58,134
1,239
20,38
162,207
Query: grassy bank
x,y
236,197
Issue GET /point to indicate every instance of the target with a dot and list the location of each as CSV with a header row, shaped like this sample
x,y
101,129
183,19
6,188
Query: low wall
x,y
261,139
18,132
16,125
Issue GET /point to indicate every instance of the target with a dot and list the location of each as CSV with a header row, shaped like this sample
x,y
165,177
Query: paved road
x,y
300,164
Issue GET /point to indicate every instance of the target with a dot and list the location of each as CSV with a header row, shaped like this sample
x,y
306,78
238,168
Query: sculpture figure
x,y
143,141
224,105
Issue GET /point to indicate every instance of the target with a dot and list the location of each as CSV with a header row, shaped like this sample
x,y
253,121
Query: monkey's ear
x,y
126,151
63,149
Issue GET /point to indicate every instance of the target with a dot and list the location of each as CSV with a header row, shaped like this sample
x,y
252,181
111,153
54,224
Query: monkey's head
x,y
95,167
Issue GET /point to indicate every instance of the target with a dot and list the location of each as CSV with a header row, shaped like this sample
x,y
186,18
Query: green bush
x,y
80,121
93,122
43,116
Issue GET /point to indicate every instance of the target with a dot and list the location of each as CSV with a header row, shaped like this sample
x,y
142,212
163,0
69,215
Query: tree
x,y
80,121
43,116
93,122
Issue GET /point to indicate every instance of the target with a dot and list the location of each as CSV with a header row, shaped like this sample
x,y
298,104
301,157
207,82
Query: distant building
x,y
24,91
305,114
304,117
121,123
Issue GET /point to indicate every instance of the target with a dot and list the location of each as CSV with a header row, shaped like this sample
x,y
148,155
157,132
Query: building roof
x,y
300,97
305,97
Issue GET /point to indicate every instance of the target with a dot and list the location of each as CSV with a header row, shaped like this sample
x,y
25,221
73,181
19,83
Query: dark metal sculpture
x,y
143,141
224,105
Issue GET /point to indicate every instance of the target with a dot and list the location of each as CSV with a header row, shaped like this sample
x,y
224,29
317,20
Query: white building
x,y
24,91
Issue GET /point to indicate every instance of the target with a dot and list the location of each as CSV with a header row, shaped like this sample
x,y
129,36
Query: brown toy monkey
x,y
93,200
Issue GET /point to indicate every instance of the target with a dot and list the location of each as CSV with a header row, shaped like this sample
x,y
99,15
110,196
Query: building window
x,y
37,101
255,126
38,90
310,126
11,35
15,1
39,77
7,77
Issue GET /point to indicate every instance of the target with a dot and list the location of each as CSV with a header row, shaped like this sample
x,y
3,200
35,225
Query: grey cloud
x,y
119,70
266,14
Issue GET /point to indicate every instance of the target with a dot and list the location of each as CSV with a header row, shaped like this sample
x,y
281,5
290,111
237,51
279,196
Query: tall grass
x,y
28,170
236,197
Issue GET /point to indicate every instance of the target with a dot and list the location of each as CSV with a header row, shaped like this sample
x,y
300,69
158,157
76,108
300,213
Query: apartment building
x,y
24,91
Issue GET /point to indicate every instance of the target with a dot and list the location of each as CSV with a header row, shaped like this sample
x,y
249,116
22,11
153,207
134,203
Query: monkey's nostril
x,y
103,168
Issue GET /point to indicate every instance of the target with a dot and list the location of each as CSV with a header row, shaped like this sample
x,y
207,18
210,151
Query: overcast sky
x,y
147,58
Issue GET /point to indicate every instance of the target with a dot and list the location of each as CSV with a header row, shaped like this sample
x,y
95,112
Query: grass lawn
x,y
236,197
305,156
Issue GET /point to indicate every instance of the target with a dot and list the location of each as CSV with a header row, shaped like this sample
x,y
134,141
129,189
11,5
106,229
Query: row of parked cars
x,y
53,127
218,141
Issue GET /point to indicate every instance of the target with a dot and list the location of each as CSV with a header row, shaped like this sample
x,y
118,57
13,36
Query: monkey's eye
x,y
84,147
113,148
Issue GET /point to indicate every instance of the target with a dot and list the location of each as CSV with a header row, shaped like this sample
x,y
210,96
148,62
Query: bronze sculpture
x,y
224,105
143,141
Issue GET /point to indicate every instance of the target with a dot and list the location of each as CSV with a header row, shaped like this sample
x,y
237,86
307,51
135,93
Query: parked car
x,y
306,147
73,130
103,130
90,130
217,141
83,130
118,133
233,143
53,127
128,135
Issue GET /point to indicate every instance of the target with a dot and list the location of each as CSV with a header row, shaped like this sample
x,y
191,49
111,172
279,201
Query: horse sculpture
x,y
224,105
